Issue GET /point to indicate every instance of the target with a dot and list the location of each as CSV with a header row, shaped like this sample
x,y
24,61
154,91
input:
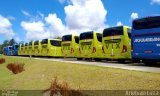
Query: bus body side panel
x,y
98,46
35,50
39,49
146,47
15,50
44,49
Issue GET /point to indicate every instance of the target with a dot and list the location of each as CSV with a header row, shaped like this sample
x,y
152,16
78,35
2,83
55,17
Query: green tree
x,y
7,43
12,42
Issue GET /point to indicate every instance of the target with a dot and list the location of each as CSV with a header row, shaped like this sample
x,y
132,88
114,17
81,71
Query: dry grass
x,y
15,68
63,89
2,60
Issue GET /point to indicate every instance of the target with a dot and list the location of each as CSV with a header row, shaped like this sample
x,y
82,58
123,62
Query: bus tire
x,y
136,61
121,61
149,63
97,59
79,58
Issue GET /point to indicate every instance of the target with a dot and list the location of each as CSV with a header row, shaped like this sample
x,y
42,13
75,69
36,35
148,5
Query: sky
x,y
26,20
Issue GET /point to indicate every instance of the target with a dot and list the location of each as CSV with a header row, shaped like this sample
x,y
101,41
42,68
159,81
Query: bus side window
x,y
77,39
99,37
129,32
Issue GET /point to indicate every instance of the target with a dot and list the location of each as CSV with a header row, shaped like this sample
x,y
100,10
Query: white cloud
x,y
26,13
155,2
6,27
81,15
61,1
34,30
55,25
134,15
33,26
119,23
85,15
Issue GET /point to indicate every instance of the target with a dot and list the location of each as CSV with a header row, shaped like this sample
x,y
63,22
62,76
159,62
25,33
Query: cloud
x,y
81,16
55,25
155,2
119,23
134,15
35,30
11,18
26,13
6,27
85,15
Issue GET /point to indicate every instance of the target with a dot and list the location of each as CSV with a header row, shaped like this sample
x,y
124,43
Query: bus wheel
x,y
121,61
79,58
136,61
97,59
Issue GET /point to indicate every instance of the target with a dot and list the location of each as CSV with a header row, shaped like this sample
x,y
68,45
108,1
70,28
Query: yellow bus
x,y
26,51
70,46
22,52
37,48
31,48
91,45
51,47
117,43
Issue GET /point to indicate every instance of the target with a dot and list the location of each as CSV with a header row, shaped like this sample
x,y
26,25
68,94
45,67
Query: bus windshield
x,y
10,48
56,43
113,31
22,45
45,41
36,43
86,35
67,38
26,44
147,23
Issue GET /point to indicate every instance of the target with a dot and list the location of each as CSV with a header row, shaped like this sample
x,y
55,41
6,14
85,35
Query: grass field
x,y
39,73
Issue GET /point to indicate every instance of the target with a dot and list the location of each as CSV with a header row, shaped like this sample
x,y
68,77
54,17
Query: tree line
x,y
7,43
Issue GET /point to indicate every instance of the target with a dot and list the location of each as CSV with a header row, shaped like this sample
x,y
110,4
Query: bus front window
x,y
67,38
55,43
146,23
113,31
86,35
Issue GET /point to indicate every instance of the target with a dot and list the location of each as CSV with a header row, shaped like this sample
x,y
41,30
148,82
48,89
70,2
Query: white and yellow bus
x,y
51,47
70,46
117,43
91,45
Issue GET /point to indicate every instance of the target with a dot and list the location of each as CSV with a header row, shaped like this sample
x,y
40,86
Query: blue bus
x,y
15,49
146,40
5,51
8,50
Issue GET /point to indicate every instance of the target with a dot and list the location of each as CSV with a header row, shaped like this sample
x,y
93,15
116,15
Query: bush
x,y
62,89
16,68
2,60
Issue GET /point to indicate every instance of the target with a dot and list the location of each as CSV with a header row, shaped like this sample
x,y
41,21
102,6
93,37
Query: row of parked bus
x,y
120,43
